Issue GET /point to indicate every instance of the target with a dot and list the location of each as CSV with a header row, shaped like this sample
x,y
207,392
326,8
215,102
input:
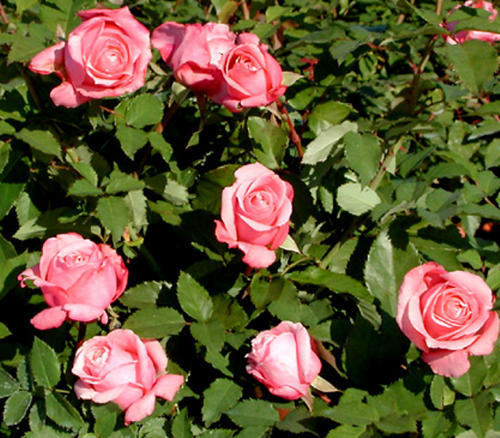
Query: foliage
x,y
389,137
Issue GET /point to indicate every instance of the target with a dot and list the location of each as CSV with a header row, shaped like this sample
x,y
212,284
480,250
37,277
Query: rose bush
x,y
448,315
122,368
255,214
251,76
284,360
106,55
194,52
79,279
466,35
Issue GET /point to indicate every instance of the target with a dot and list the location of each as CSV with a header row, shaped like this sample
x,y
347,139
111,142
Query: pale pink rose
x,y
466,35
122,368
284,360
194,52
448,315
79,280
251,76
255,214
106,55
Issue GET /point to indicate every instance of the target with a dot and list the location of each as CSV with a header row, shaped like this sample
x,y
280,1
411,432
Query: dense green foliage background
x,y
390,139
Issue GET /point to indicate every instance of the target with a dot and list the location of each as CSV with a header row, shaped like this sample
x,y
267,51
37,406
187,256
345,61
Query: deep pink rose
x,y
255,214
284,360
106,55
251,76
466,35
194,52
79,280
447,315
122,368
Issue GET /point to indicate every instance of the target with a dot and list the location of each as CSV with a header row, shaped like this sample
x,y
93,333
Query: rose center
x,y
260,200
245,62
73,259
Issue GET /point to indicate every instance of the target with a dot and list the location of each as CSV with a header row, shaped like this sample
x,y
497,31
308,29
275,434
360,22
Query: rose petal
x,y
257,256
49,318
489,333
157,355
140,409
448,363
166,386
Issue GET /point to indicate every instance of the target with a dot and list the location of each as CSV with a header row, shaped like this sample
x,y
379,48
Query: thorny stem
x,y
293,133
245,9
82,328
439,6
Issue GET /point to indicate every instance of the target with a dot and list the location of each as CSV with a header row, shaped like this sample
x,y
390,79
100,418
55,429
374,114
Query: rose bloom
x,y
122,368
106,55
255,214
194,52
251,76
448,315
466,35
79,280
284,360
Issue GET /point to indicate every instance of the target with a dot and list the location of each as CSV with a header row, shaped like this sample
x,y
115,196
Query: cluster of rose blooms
x,y
108,54
448,315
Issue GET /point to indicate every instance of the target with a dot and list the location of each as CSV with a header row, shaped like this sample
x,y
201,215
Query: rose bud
x,y
122,368
79,280
255,214
284,360
448,315
107,55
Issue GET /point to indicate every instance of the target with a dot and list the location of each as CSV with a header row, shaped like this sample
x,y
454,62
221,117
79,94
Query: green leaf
x,y
472,381
385,268
4,155
475,62
321,147
8,385
180,426
251,413
105,418
83,187
347,431
194,298
62,14
122,182
155,323
136,202
435,424
143,295
4,332
60,410
131,139
144,110
338,283
441,394
22,5
209,334
272,141
355,199
327,114
159,144
12,182
222,395
114,214
41,140
263,291
44,364
16,407
475,413
363,153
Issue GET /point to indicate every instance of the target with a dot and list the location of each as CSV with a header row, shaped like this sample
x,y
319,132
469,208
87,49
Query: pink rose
x,y
194,52
79,280
284,360
466,35
122,368
447,315
255,214
251,76
106,55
